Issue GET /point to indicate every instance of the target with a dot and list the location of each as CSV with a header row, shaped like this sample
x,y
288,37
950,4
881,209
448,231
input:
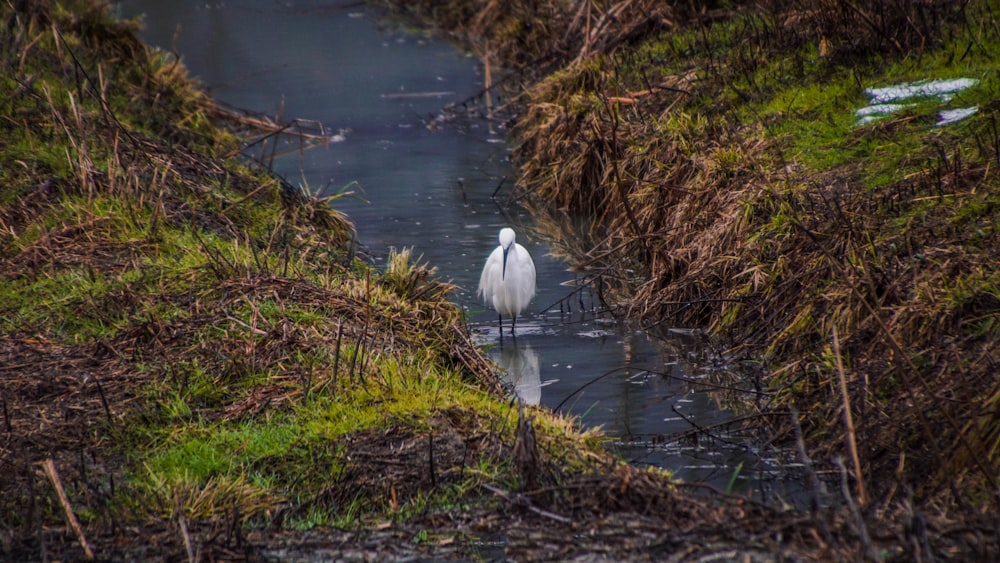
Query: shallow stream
x,y
410,180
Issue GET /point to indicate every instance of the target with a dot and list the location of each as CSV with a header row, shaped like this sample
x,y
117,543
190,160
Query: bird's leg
x,y
501,328
513,321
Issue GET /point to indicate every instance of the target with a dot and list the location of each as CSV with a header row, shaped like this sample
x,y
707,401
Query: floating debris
x,y
598,333
408,95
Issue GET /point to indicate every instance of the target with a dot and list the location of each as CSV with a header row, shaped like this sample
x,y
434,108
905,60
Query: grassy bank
x,y
733,185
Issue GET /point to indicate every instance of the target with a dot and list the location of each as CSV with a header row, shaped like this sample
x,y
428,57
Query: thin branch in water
x,y
703,430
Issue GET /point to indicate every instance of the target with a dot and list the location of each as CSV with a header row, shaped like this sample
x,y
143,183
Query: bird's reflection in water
x,y
519,368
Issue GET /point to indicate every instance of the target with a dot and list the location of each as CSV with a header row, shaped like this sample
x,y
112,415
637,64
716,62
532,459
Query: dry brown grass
x,y
700,220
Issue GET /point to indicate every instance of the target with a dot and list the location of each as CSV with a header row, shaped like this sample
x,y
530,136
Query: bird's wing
x,y
528,271
492,274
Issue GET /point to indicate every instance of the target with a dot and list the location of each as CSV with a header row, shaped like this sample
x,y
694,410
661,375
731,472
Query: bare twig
x,y
619,183
852,444
186,535
520,500
50,470
859,522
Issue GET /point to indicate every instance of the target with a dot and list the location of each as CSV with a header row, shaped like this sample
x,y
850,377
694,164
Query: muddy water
x,y
407,184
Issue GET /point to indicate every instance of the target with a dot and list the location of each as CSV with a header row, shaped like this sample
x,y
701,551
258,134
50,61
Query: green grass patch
x,y
295,453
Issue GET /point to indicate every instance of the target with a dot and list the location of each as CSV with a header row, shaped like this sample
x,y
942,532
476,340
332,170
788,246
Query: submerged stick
x,y
500,185
50,470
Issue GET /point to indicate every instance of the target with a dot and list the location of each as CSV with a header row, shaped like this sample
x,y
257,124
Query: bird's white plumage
x,y
508,284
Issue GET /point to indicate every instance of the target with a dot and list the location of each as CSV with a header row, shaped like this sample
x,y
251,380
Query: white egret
x,y
508,278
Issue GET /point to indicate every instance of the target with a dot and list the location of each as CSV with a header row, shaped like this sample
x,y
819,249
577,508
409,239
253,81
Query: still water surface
x,y
376,90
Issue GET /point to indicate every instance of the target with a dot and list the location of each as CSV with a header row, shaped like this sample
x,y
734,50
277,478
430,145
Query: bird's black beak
x,y
503,272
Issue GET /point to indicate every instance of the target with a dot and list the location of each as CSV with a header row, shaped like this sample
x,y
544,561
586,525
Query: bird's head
x,y
506,237
506,241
